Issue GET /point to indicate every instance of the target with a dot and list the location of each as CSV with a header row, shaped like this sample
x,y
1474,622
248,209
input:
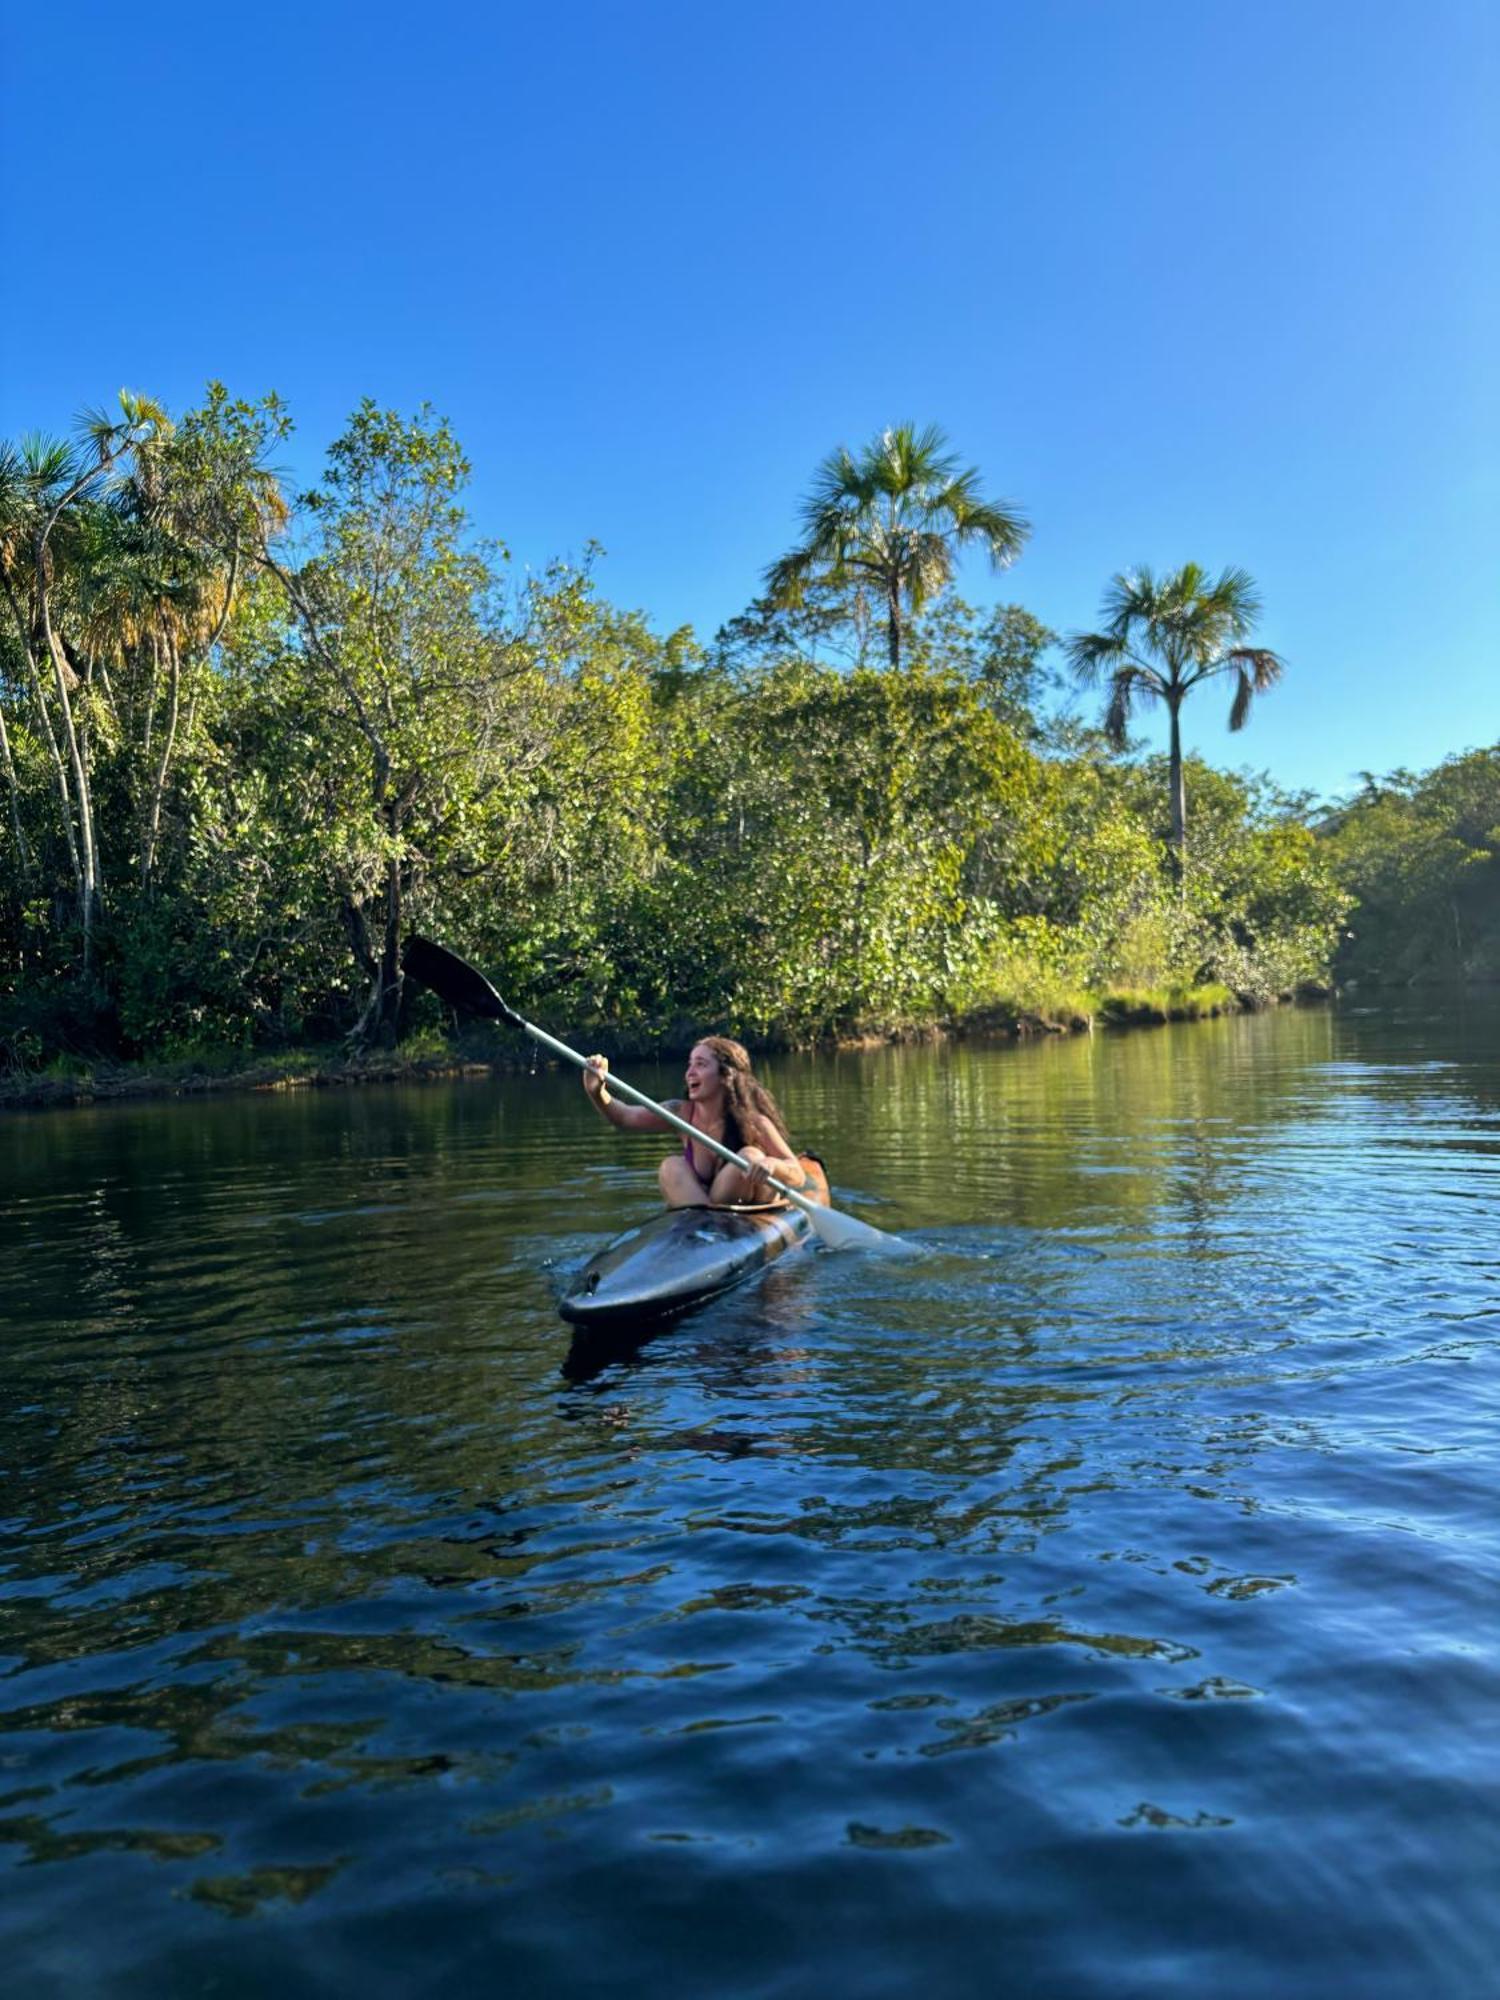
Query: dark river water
x,y
1102,1601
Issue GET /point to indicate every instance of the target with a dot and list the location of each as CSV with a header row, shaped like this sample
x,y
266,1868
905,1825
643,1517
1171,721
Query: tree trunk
x,y
159,784
379,957
1178,787
378,1016
893,621
87,849
358,933
13,795
390,958
148,731
44,718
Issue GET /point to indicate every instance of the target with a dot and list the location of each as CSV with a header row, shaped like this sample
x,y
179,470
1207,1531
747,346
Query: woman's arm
x,y
770,1153
628,1117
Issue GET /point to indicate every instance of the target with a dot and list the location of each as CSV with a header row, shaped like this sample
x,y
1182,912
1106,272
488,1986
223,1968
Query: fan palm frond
x,y
1093,654
47,463
894,515
787,580
1117,711
1255,670
1159,637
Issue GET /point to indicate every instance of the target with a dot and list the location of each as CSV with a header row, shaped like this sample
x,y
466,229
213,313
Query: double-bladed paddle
x,y
458,983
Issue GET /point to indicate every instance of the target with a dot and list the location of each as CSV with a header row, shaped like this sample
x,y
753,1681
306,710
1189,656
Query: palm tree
x,y
165,574
1161,637
892,521
46,490
43,493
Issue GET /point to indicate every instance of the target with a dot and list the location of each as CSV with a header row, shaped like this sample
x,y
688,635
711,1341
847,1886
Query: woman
x,y
725,1102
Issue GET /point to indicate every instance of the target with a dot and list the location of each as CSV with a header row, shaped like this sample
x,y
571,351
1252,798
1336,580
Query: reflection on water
x,y
1106,1595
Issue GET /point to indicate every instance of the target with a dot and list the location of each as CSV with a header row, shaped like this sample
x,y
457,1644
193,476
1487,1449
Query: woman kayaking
x,y
725,1101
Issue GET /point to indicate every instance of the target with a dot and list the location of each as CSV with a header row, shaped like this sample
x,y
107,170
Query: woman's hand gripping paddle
x,y
456,982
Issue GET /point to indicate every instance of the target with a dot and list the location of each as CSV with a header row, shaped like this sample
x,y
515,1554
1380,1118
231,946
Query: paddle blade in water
x,y
838,1231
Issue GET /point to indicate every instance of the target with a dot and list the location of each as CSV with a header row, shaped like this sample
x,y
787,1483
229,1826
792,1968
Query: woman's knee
x,y
731,1186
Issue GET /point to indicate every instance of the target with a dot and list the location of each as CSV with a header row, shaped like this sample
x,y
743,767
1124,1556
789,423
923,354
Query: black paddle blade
x,y
455,981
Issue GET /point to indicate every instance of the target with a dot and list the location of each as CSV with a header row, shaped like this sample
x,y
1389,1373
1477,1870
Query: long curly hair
x,y
745,1097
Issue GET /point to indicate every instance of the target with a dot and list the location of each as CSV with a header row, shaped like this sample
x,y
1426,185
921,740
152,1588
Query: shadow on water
x,y
765,1303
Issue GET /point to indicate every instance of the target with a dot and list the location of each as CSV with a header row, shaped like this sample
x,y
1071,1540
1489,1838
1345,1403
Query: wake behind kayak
x,y
680,1258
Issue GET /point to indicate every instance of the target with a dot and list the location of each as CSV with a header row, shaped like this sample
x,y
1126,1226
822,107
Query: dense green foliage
x,y
1419,855
248,742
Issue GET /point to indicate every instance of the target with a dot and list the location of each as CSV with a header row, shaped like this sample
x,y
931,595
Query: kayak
x,y
683,1256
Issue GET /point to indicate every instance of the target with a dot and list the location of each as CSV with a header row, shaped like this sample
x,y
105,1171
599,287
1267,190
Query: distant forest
x,y
249,740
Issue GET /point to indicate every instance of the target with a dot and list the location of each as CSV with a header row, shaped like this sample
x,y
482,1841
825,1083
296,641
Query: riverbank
x,y
481,1051
103,1082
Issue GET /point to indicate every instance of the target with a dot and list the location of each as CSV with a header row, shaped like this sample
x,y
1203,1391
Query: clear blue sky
x,y
1184,278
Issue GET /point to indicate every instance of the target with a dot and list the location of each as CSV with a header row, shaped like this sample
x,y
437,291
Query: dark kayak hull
x,y
679,1259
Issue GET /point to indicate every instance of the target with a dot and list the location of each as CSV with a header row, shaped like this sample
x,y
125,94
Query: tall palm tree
x,y
165,576
892,520
46,490
1162,636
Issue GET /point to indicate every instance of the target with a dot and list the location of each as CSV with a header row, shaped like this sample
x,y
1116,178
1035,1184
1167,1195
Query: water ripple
x,y
1106,1594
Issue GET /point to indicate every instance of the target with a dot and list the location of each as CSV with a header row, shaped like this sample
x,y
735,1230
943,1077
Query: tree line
x,y
250,739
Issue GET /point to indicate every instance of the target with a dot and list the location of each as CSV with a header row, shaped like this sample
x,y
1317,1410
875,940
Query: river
x,y
1100,1601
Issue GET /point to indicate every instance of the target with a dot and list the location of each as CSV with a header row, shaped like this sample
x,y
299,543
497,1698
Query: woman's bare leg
x,y
680,1186
730,1186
